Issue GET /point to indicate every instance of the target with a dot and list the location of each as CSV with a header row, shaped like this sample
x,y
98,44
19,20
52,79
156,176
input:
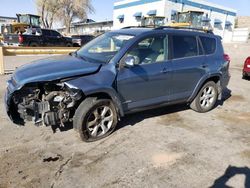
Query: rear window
x,y
209,45
184,46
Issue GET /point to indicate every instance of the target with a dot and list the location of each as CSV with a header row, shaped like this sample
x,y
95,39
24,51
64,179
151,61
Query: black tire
x,y
245,77
69,45
203,102
33,44
86,111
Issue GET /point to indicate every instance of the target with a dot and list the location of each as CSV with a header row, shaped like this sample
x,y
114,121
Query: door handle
x,y
165,70
204,66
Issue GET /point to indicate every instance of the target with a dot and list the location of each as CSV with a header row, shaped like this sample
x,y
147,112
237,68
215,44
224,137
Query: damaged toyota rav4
x,y
117,73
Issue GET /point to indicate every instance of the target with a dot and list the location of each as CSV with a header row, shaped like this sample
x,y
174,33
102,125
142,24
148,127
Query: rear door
x,y
58,40
47,41
188,63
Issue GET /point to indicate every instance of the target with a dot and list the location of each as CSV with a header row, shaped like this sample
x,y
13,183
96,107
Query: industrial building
x,y
133,12
90,27
5,21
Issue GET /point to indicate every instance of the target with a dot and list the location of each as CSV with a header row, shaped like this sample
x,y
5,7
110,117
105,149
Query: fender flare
x,y
111,93
201,82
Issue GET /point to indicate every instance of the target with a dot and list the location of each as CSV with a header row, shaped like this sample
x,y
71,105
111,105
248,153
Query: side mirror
x,y
129,61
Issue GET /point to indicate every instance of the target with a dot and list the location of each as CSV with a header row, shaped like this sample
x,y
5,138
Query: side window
x,y
209,45
184,46
150,50
55,34
46,32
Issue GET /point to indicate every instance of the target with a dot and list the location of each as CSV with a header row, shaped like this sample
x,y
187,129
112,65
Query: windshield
x,y
104,48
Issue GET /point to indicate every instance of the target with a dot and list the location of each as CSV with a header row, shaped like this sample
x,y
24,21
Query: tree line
x,y
63,11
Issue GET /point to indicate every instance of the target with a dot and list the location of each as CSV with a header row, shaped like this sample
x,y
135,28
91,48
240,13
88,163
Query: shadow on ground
x,y
135,118
132,119
230,172
227,93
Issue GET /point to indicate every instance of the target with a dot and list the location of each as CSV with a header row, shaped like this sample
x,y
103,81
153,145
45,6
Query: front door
x,y
147,82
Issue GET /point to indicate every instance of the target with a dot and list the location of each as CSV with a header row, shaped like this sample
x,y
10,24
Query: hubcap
x,y
207,97
100,121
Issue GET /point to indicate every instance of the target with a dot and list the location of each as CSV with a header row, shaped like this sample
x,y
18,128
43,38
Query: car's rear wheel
x,y
206,98
245,77
33,44
69,44
95,119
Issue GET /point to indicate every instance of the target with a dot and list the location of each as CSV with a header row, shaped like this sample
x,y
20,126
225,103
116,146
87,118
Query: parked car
x,y
38,37
117,73
246,69
80,40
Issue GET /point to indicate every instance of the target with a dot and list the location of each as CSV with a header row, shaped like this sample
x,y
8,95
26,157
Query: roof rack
x,y
184,28
130,27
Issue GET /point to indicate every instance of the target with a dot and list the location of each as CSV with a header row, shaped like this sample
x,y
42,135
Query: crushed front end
x,y
50,103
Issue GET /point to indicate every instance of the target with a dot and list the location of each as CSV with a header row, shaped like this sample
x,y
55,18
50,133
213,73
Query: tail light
x,y
227,58
20,39
247,63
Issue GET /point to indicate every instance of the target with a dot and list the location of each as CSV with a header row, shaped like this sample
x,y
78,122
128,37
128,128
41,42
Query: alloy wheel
x,y
207,97
100,121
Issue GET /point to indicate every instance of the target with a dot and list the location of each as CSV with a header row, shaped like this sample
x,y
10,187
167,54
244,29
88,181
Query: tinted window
x,y
209,44
54,33
184,46
46,32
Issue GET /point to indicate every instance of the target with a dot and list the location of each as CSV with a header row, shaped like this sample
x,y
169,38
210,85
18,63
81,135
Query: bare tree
x,y
48,9
72,9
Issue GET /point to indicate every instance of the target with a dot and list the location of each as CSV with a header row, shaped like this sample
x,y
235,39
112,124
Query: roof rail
x,y
130,27
187,28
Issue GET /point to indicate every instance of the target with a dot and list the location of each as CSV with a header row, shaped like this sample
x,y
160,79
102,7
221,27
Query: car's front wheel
x,y
95,119
206,98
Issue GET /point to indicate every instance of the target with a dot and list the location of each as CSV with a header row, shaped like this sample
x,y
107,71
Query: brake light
x,y
247,63
20,39
227,58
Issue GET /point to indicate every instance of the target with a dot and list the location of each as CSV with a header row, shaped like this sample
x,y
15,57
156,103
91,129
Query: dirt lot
x,y
168,147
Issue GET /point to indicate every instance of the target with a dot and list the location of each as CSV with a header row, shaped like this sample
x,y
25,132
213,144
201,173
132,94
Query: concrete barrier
x,y
1,61
17,51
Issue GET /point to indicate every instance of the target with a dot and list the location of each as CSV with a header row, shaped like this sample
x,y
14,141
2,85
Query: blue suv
x,y
117,73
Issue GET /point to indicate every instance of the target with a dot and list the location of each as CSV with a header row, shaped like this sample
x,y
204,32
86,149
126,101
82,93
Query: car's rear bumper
x,y
245,73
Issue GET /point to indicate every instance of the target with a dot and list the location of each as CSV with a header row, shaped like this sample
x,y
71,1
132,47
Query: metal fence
x,y
16,51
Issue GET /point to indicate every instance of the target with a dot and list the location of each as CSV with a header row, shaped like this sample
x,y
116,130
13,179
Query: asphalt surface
x,y
168,147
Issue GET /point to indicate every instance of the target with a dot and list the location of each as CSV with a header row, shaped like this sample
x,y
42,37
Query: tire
x,y
33,44
89,121
69,45
245,77
206,98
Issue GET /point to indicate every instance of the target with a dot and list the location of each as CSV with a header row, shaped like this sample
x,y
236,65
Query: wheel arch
x,y
106,93
216,78
33,42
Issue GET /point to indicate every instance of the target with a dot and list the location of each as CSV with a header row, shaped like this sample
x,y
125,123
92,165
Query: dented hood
x,y
54,68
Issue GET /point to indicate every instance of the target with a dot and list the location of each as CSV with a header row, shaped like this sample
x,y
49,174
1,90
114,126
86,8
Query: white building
x,y
129,12
90,28
5,21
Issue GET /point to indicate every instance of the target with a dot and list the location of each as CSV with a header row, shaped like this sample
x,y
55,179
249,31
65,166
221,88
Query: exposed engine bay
x,y
50,104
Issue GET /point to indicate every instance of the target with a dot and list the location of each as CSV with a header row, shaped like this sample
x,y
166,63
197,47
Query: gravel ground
x,y
168,147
